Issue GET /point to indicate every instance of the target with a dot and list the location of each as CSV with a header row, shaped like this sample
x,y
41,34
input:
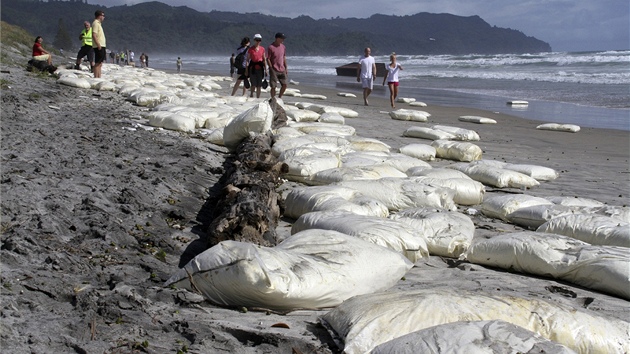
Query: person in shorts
x,y
239,64
277,59
98,43
391,77
366,73
86,46
256,66
39,53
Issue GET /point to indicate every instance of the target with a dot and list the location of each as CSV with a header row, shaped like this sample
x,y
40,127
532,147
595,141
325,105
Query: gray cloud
x,y
568,25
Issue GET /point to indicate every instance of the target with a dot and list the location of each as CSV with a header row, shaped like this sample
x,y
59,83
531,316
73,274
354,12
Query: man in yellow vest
x,y
86,46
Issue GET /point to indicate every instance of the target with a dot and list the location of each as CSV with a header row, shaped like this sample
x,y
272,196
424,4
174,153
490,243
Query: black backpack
x,y
238,61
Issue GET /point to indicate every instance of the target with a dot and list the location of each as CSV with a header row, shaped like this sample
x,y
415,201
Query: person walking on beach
x,y
391,77
256,66
39,53
86,46
232,58
277,58
179,64
239,64
366,73
98,43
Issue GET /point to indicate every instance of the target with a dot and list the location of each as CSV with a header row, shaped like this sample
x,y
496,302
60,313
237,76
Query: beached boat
x,y
351,69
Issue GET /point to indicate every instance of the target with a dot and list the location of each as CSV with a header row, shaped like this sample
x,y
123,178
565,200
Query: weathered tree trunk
x,y
248,210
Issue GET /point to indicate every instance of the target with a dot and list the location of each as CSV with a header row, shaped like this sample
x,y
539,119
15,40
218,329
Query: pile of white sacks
x,y
364,214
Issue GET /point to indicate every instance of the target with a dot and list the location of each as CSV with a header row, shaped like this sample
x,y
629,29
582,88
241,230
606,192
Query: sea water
x,y
590,89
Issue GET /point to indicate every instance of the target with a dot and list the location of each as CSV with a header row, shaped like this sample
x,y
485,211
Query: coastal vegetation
x,y
156,27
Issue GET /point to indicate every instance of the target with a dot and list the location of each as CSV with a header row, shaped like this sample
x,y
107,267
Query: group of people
x,y
253,63
366,74
93,46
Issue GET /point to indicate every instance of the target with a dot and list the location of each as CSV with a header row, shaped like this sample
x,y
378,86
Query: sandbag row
x,y
365,322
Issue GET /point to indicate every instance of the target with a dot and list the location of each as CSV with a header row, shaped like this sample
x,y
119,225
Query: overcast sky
x,y
567,25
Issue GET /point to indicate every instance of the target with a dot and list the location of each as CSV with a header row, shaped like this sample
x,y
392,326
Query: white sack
x,y
363,322
171,121
403,162
339,174
405,100
601,268
322,198
403,193
448,233
358,143
479,337
303,115
459,133
575,202
428,133
312,269
419,151
409,114
74,82
497,177
593,229
333,118
465,190
305,162
538,173
458,151
323,128
500,206
570,128
476,119
256,120
533,216
444,173
337,143
388,233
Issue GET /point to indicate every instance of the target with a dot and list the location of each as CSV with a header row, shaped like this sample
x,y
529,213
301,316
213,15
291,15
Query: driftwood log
x,y
248,208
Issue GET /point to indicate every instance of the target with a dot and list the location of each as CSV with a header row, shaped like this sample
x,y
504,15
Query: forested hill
x,y
154,27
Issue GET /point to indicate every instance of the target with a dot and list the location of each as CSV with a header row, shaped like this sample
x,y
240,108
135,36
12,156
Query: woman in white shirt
x,y
392,78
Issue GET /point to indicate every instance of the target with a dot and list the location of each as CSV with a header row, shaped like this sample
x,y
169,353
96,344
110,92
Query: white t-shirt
x,y
366,67
392,73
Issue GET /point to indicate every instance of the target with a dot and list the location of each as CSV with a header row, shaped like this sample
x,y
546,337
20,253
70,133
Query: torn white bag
x,y
311,269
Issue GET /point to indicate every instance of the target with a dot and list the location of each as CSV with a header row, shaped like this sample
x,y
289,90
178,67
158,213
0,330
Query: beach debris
x,y
405,100
409,114
570,128
310,269
458,151
476,119
54,107
518,103
474,336
447,233
461,134
293,82
365,321
346,94
417,104
392,234
601,268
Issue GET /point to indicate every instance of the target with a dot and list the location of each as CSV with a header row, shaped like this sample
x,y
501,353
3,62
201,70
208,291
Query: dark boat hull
x,y
351,69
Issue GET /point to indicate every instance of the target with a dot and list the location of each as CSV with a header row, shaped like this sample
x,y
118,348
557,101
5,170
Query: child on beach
x,y
392,78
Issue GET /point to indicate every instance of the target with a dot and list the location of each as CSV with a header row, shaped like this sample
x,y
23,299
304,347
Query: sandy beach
x,y
96,216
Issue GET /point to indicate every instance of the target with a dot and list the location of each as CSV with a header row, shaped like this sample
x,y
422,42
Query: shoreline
x,y
97,216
